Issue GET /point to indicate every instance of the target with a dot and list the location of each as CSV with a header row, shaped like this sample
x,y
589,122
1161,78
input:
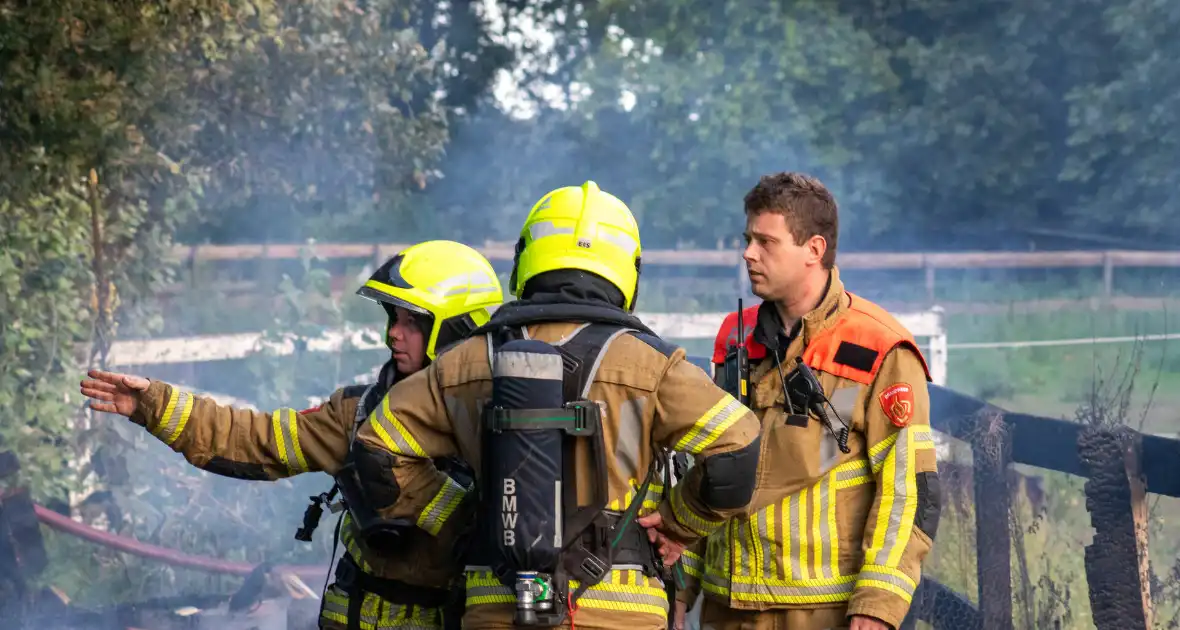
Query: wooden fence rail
x,y
1107,260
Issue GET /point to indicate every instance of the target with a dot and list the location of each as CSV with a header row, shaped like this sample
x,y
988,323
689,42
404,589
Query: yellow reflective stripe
x,y
614,592
176,413
755,537
378,614
738,535
651,501
711,425
286,433
293,427
698,524
168,409
692,564
277,429
787,592
184,416
348,537
790,569
832,537
853,473
801,528
818,500
887,579
898,498
484,588
899,533
393,434
441,506
620,590
880,451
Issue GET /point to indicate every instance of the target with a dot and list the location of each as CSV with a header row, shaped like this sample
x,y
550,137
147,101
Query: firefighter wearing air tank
x,y
850,502
393,574
566,404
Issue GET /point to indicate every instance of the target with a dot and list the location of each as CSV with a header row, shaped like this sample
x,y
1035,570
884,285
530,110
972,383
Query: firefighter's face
x,y
776,265
408,341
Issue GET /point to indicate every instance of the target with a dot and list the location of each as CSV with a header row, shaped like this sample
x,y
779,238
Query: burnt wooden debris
x,y
991,448
1117,570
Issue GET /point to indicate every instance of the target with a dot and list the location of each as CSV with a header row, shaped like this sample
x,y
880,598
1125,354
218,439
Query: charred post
x,y
991,447
22,551
1117,562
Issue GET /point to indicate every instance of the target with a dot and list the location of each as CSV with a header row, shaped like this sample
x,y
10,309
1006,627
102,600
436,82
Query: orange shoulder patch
x,y
897,401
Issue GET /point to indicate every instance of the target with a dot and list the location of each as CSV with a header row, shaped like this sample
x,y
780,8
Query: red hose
x,y
167,556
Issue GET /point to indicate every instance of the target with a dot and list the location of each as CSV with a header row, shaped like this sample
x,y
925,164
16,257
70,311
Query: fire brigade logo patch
x,y
897,401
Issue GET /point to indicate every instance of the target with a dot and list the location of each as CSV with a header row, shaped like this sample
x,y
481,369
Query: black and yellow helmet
x,y
448,282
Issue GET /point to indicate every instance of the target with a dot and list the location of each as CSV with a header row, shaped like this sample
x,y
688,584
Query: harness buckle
x,y
594,567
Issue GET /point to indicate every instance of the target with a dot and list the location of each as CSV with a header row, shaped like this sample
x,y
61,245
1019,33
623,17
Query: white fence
x,y
673,326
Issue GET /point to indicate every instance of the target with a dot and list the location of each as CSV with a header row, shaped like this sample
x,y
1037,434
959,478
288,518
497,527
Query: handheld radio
x,y
743,359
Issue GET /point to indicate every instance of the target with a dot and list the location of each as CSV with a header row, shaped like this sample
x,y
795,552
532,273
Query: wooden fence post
x,y
1116,562
991,447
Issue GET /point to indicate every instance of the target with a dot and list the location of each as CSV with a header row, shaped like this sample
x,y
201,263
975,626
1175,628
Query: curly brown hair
x,y
806,204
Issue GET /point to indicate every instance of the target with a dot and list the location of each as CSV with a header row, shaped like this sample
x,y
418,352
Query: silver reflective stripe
x,y
768,562
618,239
547,228
924,438
601,592
901,474
706,433
630,436
842,588
283,422
529,365
360,415
888,443
384,419
825,536
182,409
491,355
558,521
905,585
468,282
797,542
571,335
854,473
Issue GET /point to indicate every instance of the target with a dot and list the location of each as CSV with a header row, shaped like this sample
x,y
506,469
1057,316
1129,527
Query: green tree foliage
x,y
939,125
192,114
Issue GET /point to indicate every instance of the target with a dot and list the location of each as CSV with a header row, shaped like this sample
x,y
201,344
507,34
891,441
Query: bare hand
x,y
113,392
861,622
669,549
679,615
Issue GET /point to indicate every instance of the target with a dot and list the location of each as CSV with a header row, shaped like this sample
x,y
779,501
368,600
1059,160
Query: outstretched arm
x,y
224,440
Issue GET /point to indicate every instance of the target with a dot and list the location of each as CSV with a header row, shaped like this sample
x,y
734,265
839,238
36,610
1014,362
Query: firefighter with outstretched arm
x,y
398,574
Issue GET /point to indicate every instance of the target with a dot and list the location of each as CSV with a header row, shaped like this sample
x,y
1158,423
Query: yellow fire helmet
x,y
449,282
580,227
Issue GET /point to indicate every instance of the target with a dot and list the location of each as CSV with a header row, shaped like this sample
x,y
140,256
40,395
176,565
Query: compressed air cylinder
x,y
523,466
